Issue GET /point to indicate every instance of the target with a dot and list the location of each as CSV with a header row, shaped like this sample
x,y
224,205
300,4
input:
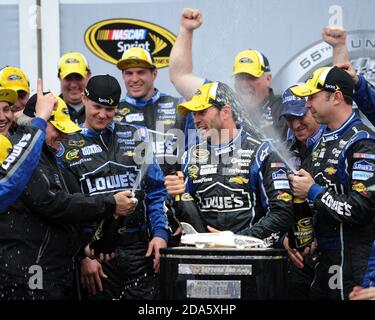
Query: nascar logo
x,y
122,34
108,39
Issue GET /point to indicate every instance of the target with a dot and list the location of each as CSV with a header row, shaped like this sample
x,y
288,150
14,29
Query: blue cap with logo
x,y
292,105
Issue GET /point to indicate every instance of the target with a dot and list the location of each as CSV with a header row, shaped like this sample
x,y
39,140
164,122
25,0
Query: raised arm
x,y
336,37
180,61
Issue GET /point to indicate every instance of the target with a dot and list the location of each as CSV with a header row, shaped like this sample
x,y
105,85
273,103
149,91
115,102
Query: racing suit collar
x,y
90,133
141,103
329,135
218,147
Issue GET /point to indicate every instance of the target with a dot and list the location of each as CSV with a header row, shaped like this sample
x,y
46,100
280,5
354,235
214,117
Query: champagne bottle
x,y
106,235
186,210
301,235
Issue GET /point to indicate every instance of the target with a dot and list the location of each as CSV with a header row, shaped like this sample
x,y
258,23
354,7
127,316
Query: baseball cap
x,y
8,95
60,117
292,105
14,78
136,57
329,79
73,62
5,147
208,95
252,62
103,89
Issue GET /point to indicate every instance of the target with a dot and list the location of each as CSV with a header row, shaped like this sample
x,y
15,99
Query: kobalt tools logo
x,y
109,39
361,46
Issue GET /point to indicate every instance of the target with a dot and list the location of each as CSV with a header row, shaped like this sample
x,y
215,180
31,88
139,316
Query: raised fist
x,y
191,19
335,36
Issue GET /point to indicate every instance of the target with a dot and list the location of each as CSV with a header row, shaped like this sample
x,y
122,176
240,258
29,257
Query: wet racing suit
x,y
160,117
103,162
240,186
17,169
168,128
41,233
343,166
301,279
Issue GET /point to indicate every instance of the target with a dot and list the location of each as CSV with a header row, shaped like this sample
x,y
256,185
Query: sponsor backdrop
x,y
287,32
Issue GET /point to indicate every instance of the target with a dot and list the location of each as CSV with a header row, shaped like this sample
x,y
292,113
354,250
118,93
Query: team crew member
x,y
364,97
303,133
238,183
251,72
146,106
338,185
304,130
7,100
19,160
15,78
104,159
39,233
73,72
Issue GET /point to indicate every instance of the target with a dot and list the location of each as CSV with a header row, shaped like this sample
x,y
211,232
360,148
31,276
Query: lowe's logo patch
x,y
363,165
108,178
279,175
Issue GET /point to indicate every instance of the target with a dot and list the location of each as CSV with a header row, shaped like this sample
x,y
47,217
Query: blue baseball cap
x,y
292,105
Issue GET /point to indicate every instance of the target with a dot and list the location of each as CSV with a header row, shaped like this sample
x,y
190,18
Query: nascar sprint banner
x,y
109,39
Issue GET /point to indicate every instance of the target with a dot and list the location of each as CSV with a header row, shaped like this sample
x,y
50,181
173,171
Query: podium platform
x,y
223,273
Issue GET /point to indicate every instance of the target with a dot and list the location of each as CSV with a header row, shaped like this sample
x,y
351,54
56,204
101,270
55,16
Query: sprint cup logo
x,y
361,46
109,39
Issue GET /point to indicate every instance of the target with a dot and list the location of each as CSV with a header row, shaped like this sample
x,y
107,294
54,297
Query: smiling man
x,y
238,182
303,133
7,99
15,78
103,159
41,229
73,72
339,184
147,106
304,130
